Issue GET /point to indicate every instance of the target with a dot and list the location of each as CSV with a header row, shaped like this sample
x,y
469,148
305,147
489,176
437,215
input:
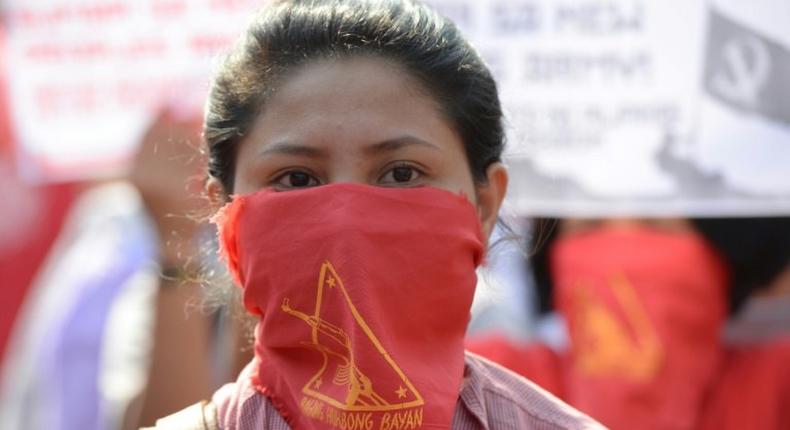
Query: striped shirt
x,y
492,398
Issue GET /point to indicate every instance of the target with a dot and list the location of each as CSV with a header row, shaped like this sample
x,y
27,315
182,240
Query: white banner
x,y
640,107
87,76
614,107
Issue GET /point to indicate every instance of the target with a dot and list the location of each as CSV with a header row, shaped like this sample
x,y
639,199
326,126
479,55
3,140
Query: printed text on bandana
x,y
350,420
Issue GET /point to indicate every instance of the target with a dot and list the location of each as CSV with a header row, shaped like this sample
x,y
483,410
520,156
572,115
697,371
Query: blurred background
x,y
647,282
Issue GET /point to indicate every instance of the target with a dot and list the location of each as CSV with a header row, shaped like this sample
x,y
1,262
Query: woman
x,y
662,296
361,142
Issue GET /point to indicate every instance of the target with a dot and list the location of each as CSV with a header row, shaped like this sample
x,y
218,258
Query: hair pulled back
x,y
288,34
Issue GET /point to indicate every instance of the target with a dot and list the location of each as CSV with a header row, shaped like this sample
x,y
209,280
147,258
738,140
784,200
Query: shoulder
x,y
240,406
200,416
502,400
235,406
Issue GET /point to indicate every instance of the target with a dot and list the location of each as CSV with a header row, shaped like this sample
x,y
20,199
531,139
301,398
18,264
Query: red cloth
x,y
644,309
752,389
535,361
364,296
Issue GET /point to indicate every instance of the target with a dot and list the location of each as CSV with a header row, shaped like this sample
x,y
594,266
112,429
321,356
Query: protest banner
x,y
614,107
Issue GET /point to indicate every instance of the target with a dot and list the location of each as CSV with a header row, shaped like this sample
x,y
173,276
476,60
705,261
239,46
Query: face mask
x,y
363,295
644,309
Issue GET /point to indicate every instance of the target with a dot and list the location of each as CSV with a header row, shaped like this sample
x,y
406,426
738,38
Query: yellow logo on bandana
x,y
605,345
340,382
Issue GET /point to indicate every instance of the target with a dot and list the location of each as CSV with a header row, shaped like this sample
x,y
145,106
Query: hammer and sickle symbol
x,y
746,70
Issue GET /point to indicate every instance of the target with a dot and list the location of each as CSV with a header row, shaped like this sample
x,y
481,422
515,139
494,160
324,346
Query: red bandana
x,y
363,295
644,310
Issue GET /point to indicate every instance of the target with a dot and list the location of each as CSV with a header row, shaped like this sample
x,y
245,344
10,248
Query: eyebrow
x,y
397,143
289,148
389,145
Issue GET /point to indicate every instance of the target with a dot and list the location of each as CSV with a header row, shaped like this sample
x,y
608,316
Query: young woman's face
x,y
359,120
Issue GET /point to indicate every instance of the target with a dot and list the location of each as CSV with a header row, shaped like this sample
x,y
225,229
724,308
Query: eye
x,y
295,179
402,174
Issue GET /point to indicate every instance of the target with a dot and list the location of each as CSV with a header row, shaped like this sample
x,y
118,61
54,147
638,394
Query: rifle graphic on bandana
x,y
339,381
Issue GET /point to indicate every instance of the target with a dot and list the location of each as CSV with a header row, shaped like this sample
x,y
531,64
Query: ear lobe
x,y
215,191
490,197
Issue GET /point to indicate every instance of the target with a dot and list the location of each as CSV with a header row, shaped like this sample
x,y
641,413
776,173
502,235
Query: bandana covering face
x,y
645,309
363,295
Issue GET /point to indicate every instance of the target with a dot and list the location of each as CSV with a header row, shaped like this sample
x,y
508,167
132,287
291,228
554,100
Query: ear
x,y
490,196
215,191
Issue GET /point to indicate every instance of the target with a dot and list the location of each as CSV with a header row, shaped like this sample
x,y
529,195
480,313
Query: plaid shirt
x,y
492,398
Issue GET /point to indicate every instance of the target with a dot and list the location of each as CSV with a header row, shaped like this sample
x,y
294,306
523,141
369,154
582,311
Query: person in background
x,y
650,308
167,174
80,348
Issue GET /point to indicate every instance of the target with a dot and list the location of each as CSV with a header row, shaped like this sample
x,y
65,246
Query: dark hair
x,y
547,232
756,251
288,34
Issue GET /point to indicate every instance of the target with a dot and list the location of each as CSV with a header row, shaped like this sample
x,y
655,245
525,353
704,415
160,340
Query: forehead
x,y
354,101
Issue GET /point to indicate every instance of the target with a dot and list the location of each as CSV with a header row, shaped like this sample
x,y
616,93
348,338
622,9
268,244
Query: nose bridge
x,y
347,163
